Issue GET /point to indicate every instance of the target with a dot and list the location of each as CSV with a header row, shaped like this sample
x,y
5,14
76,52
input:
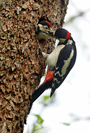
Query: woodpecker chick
x,y
60,62
42,30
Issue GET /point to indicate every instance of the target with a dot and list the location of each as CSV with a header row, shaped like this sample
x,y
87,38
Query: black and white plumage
x,y
60,62
64,64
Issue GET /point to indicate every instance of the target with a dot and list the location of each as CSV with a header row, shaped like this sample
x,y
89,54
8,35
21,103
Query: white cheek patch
x,y
69,42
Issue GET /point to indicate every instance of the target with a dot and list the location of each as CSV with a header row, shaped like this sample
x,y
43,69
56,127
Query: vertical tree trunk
x,y
21,63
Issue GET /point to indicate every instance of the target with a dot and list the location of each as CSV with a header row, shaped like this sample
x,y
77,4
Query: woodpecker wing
x,y
64,64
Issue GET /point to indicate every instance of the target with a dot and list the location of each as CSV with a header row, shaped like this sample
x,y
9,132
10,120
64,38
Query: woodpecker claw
x,y
45,55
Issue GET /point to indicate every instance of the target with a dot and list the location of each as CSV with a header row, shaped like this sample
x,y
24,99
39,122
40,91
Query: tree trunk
x,y
21,63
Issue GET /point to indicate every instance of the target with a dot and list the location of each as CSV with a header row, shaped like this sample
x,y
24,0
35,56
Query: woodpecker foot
x,y
44,55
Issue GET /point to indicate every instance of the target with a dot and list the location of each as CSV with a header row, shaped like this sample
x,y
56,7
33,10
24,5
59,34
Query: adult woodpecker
x,y
60,61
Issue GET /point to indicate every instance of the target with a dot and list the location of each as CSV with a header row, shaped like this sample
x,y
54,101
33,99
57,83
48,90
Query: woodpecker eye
x,y
46,27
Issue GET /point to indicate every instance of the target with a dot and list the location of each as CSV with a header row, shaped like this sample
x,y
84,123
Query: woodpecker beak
x,y
51,33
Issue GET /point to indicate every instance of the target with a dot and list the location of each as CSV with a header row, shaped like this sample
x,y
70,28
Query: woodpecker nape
x,y
60,62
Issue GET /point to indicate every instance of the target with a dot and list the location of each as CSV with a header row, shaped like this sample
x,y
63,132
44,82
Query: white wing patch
x,y
64,69
65,66
66,63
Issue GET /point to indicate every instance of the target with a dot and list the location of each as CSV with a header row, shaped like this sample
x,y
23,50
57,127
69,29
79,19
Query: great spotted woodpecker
x,y
60,61
42,30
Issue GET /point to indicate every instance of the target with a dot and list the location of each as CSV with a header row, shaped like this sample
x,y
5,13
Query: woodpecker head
x,y
42,30
60,34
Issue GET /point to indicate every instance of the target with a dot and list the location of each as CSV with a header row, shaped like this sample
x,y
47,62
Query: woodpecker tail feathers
x,y
52,91
40,90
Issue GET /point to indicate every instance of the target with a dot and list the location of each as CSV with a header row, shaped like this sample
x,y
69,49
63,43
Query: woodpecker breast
x,y
53,57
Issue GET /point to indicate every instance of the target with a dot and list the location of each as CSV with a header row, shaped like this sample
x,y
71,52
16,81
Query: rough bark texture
x,y
21,63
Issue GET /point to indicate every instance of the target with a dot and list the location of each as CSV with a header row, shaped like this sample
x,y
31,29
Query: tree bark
x,y
21,63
